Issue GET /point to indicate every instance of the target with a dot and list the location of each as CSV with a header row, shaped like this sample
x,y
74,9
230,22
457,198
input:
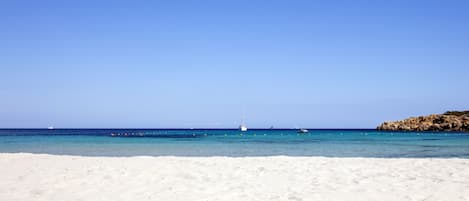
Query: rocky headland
x,y
449,121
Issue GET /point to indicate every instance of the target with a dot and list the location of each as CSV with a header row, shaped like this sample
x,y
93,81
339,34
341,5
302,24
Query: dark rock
x,y
449,121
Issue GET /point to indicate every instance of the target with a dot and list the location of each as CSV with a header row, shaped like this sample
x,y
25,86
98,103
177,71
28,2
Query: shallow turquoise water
x,y
160,142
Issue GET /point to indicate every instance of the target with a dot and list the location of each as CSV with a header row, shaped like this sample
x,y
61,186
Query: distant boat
x,y
302,130
243,128
50,128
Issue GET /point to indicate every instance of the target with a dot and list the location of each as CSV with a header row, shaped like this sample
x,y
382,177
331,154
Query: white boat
x,y
243,128
302,130
50,128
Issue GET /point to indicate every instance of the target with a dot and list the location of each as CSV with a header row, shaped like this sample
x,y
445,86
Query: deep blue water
x,y
200,142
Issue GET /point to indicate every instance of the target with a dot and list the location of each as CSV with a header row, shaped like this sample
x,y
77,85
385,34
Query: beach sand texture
x,y
31,177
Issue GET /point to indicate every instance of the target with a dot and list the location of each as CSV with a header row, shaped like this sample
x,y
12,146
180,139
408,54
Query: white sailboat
x,y
243,127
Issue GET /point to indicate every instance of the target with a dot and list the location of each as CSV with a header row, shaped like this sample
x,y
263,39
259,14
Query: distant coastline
x,y
451,121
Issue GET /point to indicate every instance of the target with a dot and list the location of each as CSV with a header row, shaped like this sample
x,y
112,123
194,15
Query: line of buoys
x,y
127,134
149,134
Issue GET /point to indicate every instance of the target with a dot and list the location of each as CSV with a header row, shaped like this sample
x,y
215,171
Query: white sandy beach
x,y
47,177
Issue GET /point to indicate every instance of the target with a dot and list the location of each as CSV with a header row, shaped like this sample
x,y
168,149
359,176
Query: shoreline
x,y
63,177
221,156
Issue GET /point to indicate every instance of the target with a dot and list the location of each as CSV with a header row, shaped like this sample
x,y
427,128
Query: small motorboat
x,y
302,130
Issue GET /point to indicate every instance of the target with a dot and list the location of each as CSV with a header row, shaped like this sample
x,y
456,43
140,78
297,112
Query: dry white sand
x,y
67,178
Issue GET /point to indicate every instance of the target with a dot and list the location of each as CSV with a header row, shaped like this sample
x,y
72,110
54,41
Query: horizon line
x,y
173,128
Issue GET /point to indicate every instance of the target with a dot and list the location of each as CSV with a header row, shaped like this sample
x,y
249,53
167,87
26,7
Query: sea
x,y
233,143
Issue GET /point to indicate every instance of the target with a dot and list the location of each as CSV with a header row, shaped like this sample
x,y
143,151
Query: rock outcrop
x,y
449,121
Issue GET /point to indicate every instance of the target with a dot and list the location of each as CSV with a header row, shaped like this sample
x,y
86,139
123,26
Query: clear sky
x,y
318,64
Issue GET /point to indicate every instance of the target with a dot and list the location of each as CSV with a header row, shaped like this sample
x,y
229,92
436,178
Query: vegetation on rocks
x,y
449,121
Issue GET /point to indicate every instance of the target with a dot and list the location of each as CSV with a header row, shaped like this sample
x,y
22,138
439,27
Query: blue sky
x,y
319,64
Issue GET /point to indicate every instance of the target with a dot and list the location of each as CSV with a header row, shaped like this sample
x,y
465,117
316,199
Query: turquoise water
x,y
172,142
